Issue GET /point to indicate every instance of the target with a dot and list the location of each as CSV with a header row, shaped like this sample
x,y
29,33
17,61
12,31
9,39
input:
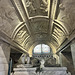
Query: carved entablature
x,y
37,7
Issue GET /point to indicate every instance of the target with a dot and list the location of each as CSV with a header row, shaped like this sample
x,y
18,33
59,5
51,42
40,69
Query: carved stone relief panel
x,y
40,26
8,18
21,36
28,45
41,36
67,14
37,7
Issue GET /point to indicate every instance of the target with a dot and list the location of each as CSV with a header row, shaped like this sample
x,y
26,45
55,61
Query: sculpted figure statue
x,y
42,63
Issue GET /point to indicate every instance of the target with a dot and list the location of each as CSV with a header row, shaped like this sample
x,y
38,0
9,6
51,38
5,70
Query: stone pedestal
x,y
24,71
4,58
45,71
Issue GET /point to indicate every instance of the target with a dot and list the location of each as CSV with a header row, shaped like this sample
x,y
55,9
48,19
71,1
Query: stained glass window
x,y
41,48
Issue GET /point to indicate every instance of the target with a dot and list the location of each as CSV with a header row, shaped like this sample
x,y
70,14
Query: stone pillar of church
x,y
73,52
4,58
60,58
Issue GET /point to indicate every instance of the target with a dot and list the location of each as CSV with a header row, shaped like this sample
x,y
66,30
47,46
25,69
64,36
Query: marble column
x,y
60,58
73,53
4,58
28,60
57,58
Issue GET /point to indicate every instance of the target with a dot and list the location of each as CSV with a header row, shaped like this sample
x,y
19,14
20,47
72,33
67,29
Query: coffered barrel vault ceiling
x,y
32,22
